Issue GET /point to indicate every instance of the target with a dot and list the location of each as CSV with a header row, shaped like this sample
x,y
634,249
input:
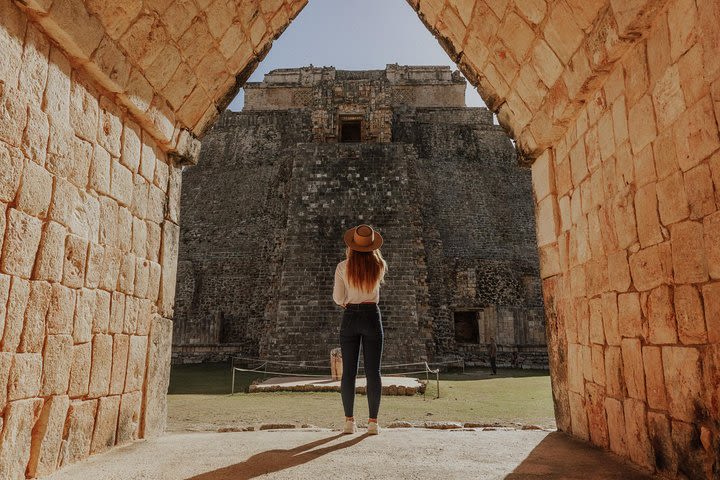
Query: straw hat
x,y
363,239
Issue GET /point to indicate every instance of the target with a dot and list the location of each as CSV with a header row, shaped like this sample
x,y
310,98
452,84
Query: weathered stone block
x,y
711,231
699,188
156,204
145,316
711,298
597,335
638,443
117,313
75,259
76,209
132,310
630,315
103,436
659,431
597,421
683,380
83,109
84,312
668,97
689,262
15,439
142,276
158,378
610,318
80,425
168,255
598,364
11,164
154,235
648,222
57,361
624,215
25,374
101,319
80,370
672,199
148,157
47,436
641,124
658,307
654,378
616,426
124,229
651,267
109,127
173,202
100,170
633,368
121,183
578,416
49,264
108,228
131,145
139,237
6,359
94,265
62,310
126,279
121,347
110,268
689,315
33,334
129,418
154,282
696,134
101,365
619,271
35,190
136,363
22,239
18,297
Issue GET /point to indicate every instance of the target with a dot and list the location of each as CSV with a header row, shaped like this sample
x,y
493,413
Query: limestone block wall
x,y
478,231
231,243
88,235
629,234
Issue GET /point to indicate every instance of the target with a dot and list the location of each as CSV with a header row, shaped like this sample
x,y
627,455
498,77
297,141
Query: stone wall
x,y
231,241
629,235
479,233
88,232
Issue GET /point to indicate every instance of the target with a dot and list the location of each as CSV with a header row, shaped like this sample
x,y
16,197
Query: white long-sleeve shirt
x,y
344,293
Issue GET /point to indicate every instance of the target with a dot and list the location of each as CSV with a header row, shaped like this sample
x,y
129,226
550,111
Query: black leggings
x,y
361,323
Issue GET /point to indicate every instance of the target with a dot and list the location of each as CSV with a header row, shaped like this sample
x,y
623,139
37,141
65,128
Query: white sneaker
x,y
373,428
350,426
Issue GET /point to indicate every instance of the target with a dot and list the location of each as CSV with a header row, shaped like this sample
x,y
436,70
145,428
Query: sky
x,y
355,35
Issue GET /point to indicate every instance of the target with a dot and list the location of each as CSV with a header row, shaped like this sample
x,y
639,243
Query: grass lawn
x,y
199,400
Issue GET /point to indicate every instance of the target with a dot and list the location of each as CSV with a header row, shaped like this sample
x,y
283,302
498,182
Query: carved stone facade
x,y
282,180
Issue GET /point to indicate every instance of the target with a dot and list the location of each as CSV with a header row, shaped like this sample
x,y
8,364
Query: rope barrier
x,y
263,369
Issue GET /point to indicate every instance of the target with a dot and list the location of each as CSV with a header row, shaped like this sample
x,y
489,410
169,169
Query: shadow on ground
x,y
277,460
559,456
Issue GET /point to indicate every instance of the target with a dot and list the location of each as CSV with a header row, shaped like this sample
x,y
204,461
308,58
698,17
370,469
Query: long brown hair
x,y
365,270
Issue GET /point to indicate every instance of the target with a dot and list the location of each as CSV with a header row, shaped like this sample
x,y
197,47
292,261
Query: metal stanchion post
x,y
232,390
437,377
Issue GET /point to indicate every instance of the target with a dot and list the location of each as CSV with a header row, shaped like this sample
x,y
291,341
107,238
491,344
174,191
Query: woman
x,y
357,290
